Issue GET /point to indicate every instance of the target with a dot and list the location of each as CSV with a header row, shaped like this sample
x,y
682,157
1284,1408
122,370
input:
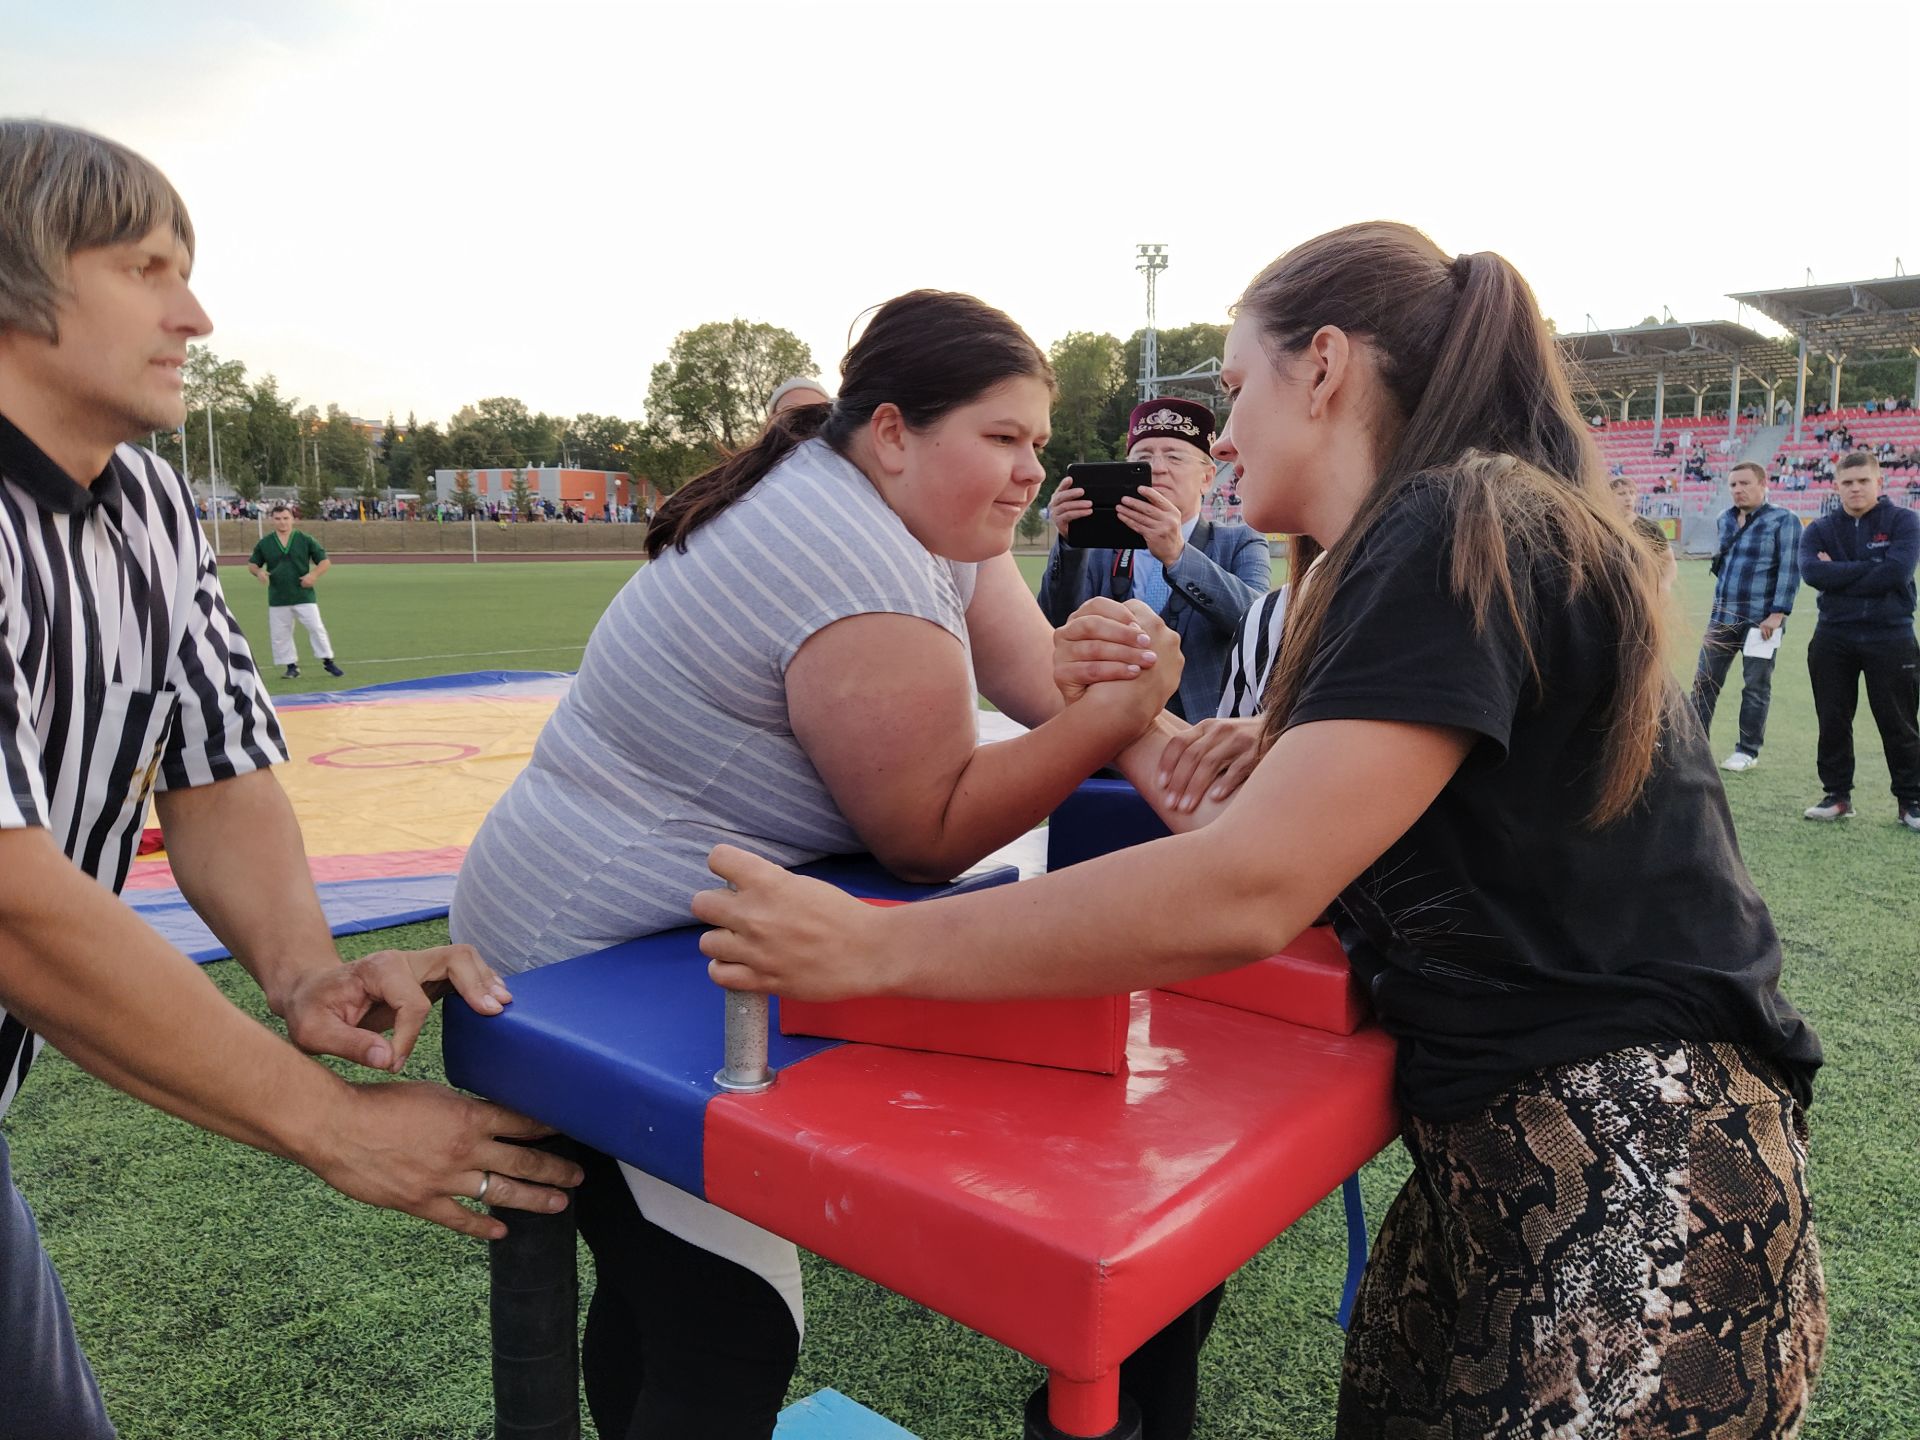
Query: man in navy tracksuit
x,y
1861,559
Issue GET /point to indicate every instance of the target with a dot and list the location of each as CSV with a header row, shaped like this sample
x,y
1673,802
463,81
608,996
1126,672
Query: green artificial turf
x,y
404,621
224,1295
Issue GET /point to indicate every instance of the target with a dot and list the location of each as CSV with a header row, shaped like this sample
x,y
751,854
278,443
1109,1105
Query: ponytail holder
x,y
1462,266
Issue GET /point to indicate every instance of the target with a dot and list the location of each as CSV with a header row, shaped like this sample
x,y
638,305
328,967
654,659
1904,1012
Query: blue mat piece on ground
x,y
829,1415
352,907
479,682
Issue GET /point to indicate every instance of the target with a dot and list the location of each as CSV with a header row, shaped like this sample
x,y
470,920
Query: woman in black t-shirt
x,y
1530,859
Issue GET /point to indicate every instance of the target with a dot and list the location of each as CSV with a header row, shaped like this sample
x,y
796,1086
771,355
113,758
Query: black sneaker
x,y
1831,807
292,673
331,668
1910,816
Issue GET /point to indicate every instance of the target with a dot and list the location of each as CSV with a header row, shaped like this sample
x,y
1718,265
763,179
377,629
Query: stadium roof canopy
x,y
1859,318
1622,361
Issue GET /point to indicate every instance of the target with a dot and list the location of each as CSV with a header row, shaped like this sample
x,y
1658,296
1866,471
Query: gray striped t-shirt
x,y
675,737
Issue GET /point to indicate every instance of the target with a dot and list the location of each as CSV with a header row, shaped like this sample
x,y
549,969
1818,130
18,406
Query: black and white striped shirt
x,y
1255,648
121,668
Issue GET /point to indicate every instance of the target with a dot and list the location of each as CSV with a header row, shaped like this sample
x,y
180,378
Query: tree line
x,y
705,400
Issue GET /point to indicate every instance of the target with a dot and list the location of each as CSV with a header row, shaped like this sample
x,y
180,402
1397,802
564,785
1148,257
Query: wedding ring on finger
x,y
486,1184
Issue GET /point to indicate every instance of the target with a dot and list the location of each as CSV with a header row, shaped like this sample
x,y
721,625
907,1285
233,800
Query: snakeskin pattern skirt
x,y
1617,1249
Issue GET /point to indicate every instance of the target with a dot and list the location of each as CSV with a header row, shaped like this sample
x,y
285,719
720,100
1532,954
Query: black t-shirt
x,y
1502,934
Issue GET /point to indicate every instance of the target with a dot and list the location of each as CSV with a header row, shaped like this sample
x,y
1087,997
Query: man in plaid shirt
x,y
1757,565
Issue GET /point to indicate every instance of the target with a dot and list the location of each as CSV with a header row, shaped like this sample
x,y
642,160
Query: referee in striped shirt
x,y
122,674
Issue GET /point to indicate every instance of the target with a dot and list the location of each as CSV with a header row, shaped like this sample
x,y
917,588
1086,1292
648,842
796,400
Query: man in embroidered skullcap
x,y
1198,576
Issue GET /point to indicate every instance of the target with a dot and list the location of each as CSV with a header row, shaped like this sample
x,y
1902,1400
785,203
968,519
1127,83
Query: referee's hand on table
x,y
343,1010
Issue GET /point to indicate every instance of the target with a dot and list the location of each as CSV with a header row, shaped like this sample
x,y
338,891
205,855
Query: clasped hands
x,y
1106,644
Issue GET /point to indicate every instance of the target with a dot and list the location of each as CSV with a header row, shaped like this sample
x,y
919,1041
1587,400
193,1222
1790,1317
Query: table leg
x,y
1082,1410
534,1311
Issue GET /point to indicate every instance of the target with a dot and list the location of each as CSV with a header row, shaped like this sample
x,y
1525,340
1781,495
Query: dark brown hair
x,y
1858,460
1302,551
1754,466
927,352
1481,410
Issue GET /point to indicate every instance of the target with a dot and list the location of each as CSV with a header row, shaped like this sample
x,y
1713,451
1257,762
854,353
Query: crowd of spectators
x,y
500,512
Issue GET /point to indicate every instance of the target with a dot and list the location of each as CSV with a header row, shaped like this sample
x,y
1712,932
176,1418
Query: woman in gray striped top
x,y
795,672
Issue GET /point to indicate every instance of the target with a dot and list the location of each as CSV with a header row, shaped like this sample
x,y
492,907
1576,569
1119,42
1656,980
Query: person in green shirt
x,y
288,562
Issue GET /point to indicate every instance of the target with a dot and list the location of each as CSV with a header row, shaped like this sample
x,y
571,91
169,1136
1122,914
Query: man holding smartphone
x,y
1197,576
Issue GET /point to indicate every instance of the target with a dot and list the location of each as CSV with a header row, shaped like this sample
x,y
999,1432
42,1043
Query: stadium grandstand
x,y
1854,322
1749,401
1678,462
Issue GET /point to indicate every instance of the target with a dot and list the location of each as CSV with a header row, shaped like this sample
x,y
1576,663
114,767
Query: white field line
x,y
464,655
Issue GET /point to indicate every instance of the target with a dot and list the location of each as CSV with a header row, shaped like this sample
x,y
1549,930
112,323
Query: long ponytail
x,y
1486,414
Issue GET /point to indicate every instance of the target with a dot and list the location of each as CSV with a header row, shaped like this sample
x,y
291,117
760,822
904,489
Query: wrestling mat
x,y
390,784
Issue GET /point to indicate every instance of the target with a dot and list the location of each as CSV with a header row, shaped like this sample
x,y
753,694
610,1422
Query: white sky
x,y
405,205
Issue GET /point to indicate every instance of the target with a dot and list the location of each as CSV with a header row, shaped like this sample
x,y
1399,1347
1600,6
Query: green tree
x,y
344,451
713,387
272,443
1091,372
665,460
501,432
430,451
599,442
218,386
314,492
521,493
463,495
396,455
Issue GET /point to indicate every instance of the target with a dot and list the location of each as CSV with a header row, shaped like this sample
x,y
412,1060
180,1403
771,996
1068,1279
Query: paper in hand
x,y
1761,647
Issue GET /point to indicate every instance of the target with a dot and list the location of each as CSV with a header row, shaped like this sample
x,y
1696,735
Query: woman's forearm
x,y
1131,920
1009,787
1143,765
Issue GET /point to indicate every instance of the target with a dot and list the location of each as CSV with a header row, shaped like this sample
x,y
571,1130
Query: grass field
x,y
227,1296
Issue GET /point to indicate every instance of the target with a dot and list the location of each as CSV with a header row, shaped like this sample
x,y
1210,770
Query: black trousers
x,y
682,1344
1890,662
1717,649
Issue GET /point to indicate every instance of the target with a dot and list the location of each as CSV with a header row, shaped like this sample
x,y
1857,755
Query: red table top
x,y
1067,1215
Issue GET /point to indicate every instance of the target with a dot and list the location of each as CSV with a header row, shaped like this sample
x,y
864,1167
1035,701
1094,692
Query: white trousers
x,y
280,620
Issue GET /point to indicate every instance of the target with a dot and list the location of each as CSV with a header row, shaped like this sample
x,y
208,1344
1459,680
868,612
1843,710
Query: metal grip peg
x,y
745,1071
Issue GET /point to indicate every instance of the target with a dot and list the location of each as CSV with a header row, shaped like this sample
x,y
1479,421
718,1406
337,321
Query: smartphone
x,y
1106,482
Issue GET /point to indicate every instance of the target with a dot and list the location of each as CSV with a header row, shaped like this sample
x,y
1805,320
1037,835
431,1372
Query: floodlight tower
x,y
1152,260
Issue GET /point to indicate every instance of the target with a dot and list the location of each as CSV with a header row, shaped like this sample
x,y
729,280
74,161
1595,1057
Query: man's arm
x,y
1825,574
1893,569
308,580
1224,593
1063,585
83,970
1786,563
237,855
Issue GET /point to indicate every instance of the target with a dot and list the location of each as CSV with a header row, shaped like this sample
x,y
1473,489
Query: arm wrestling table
x,y
1067,1215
